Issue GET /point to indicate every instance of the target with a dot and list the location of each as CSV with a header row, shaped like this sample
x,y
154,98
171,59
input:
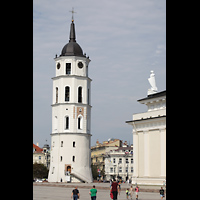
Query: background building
x,y
119,163
41,155
99,150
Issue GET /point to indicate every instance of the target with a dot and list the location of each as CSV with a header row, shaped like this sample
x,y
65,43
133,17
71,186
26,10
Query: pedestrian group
x,y
114,192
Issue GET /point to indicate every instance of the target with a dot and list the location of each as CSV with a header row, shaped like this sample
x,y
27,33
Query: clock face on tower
x,y
80,65
58,66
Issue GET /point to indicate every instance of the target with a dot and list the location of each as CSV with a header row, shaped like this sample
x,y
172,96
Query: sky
x,y
125,40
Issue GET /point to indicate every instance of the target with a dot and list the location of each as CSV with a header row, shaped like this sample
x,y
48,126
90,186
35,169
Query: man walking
x,y
75,194
162,193
115,189
93,193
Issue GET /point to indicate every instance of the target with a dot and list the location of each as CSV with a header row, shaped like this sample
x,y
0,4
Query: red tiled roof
x,y
37,149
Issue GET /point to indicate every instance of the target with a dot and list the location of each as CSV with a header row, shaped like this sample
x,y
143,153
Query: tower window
x,y
68,68
60,158
80,123
73,158
61,144
73,144
67,90
80,95
88,96
67,122
56,94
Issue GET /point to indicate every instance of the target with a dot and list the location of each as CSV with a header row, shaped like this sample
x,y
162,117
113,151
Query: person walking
x,y
75,194
136,191
93,193
162,193
115,189
131,192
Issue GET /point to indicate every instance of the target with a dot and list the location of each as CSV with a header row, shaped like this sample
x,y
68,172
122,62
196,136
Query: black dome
x,y
72,48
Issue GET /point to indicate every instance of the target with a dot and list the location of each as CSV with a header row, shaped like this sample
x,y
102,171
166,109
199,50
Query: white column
x,y
146,153
135,154
163,152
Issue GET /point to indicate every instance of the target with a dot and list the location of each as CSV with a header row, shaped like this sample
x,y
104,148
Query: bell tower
x,y
71,115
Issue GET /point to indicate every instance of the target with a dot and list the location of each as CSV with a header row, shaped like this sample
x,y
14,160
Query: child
x,y
127,193
161,193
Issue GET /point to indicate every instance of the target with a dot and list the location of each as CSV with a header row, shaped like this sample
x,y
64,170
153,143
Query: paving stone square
x,y
62,193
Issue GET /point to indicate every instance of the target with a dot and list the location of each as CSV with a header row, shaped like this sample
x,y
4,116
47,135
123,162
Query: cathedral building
x,y
71,115
149,138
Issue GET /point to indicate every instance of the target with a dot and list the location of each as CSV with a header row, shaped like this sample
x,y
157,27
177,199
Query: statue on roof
x,y
152,82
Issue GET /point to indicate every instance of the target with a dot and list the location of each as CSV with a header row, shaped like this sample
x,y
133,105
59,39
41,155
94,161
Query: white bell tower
x,y
71,115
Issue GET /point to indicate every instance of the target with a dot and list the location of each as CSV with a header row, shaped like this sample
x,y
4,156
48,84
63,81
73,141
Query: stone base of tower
x,y
75,177
78,177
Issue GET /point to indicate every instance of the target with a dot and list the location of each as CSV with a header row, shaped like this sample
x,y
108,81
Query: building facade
x,y
41,155
119,164
71,115
149,139
99,151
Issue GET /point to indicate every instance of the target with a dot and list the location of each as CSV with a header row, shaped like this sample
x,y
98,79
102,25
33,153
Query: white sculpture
x,y
152,82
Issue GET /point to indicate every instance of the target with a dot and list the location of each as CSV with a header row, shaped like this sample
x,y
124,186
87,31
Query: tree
x,y
95,173
40,171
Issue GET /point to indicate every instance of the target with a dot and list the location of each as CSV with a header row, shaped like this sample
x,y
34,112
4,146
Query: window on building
x,y
61,144
126,169
67,91
111,170
113,160
120,169
60,158
131,160
120,160
73,143
56,94
66,122
88,96
39,157
126,160
68,68
132,169
80,123
73,158
79,94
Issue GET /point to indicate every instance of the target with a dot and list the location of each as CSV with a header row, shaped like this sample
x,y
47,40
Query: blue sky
x,y
125,40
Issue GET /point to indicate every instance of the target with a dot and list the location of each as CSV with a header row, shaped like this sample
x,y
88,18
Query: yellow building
x,y
99,150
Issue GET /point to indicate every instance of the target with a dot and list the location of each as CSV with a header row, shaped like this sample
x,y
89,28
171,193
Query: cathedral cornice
x,y
76,104
71,76
71,133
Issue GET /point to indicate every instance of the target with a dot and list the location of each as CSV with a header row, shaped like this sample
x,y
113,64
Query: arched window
x,y
80,94
56,94
67,91
66,122
68,68
88,96
80,122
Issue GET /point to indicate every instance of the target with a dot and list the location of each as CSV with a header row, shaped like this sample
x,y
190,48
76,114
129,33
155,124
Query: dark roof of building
x,y
151,96
72,48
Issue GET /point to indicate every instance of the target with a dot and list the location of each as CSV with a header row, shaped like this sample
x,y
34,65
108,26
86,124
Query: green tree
x,y
40,171
95,173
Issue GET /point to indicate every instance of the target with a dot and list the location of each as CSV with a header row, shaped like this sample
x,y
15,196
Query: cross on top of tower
x,y
72,11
